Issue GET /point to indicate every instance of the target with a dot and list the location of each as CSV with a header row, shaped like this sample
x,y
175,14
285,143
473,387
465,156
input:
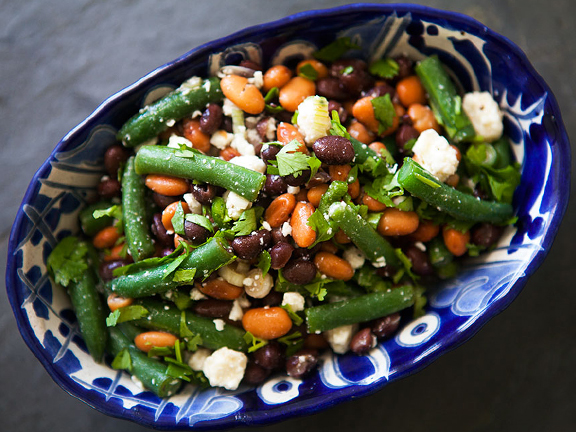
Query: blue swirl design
x,y
53,203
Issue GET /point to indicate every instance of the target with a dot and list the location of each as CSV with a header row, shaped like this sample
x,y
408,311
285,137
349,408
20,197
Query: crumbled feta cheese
x,y
266,226
219,324
294,300
239,143
380,262
484,114
228,107
253,137
286,229
313,118
225,368
221,139
197,359
293,190
190,84
257,79
355,257
236,313
435,154
231,274
420,246
253,163
340,337
257,285
196,294
176,142
235,204
138,383
193,204
271,129
170,122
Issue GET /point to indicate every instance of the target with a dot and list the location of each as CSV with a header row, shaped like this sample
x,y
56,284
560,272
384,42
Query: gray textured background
x,y
60,59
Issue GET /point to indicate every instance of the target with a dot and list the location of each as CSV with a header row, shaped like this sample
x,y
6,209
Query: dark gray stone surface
x,y
60,59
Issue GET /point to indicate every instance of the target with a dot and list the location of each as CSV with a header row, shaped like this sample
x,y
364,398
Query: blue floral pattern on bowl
x,y
479,58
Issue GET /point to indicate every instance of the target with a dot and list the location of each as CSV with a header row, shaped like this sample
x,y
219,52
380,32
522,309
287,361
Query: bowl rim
x,y
337,396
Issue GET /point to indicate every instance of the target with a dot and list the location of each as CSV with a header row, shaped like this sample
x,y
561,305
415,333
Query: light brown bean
x,y
169,212
319,67
167,185
455,241
276,76
114,302
106,238
372,204
397,223
267,323
220,289
333,266
279,210
426,231
422,118
358,130
148,340
245,96
192,132
303,234
294,93
314,195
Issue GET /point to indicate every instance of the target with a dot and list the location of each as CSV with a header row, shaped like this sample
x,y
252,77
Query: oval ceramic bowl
x,y
481,59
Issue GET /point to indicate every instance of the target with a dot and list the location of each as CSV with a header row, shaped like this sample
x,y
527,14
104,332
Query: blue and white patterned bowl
x,y
481,59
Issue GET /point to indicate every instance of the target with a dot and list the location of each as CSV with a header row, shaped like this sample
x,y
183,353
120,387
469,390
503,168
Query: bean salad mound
x,y
248,222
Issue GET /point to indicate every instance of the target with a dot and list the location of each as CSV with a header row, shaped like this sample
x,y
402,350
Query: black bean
x,y
107,267
420,262
109,188
362,342
479,193
255,374
331,88
270,356
302,363
250,65
356,80
337,106
386,326
404,134
166,251
269,152
280,254
263,200
195,233
407,120
203,193
338,66
273,298
299,271
249,246
212,308
321,177
277,235
305,253
262,127
381,90
334,150
211,119
282,116
114,157
302,178
274,185
227,124
486,234
164,201
404,67
160,232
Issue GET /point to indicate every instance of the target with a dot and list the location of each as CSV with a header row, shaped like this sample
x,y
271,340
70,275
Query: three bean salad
x,y
249,221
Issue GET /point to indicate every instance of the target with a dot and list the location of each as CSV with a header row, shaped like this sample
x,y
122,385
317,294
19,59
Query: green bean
x,y
149,281
89,309
151,372
90,225
444,99
165,316
372,244
358,309
157,117
196,166
423,185
134,213
438,253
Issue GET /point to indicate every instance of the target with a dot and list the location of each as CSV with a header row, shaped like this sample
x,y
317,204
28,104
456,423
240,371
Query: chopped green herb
x,y
407,267
264,262
114,211
184,275
67,261
384,112
347,70
148,263
308,71
160,351
219,212
247,222
178,220
293,341
384,68
203,221
272,94
290,161
335,50
254,342
296,319
122,361
126,313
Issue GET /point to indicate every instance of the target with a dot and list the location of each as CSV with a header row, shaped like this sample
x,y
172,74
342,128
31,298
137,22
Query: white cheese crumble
x,y
435,154
221,139
271,129
355,257
293,190
193,204
380,262
286,229
225,368
219,324
420,246
266,226
257,285
294,300
198,357
340,337
228,107
235,204
236,313
484,114
253,163
138,383
190,84
239,143
313,118
176,142
257,79
196,294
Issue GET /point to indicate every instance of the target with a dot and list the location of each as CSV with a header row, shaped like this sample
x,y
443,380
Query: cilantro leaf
x,y
126,313
290,161
114,211
264,262
316,288
178,220
219,212
335,50
314,163
180,299
122,361
337,127
420,301
384,112
407,267
160,351
384,68
272,94
308,71
200,220
247,222
254,342
319,221
68,262
184,275
293,341
296,319
173,266
192,339
147,263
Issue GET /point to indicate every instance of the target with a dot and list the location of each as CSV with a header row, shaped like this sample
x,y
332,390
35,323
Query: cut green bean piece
x,y
91,225
166,317
157,117
459,205
372,244
196,166
155,280
151,372
89,310
358,309
438,253
444,99
134,213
